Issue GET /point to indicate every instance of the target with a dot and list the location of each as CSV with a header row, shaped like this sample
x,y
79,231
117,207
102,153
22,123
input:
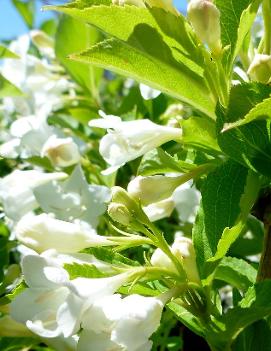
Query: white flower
x,y
126,141
160,209
16,191
53,305
183,249
76,199
28,135
43,232
186,199
62,152
37,78
113,323
147,92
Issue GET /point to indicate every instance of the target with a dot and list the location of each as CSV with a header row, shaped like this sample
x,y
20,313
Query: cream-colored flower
x,y
129,140
43,232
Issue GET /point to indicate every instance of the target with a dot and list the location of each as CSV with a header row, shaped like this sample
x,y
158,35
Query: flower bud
x,y
119,213
260,68
43,42
154,188
121,196
44,232
205,19
183,250
136,214
62,152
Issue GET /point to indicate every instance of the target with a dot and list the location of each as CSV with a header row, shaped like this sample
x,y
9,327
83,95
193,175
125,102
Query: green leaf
x,y
249,144
260,111
159,161
27,10
247,200
255,337
74,36
236,19
107,255
149,45
236,272
255,306
251,242
187,318
200,133
220,208
6,53
157,69
15,344
76,270
8,89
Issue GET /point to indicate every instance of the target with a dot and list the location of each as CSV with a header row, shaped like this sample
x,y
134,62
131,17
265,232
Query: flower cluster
x,y
72,297
121,198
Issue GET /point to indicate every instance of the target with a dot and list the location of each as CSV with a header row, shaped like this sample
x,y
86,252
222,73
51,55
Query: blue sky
x,y
12,25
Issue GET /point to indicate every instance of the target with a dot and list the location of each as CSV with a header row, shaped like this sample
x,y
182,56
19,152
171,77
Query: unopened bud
x,y
122,197
205,19
62,152
43,42
260,68
183,250
153,188
119,213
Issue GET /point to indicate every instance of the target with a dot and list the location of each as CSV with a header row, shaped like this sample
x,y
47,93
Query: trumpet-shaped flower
x,y
16,191
27,137
126,141
62,152
53,305
113,323
43,232
76,199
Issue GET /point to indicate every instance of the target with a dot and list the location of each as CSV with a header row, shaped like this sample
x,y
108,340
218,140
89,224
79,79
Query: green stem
x,y
163,245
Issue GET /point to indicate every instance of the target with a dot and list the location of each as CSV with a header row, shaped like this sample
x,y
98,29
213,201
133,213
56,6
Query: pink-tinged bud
x,y
205,19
